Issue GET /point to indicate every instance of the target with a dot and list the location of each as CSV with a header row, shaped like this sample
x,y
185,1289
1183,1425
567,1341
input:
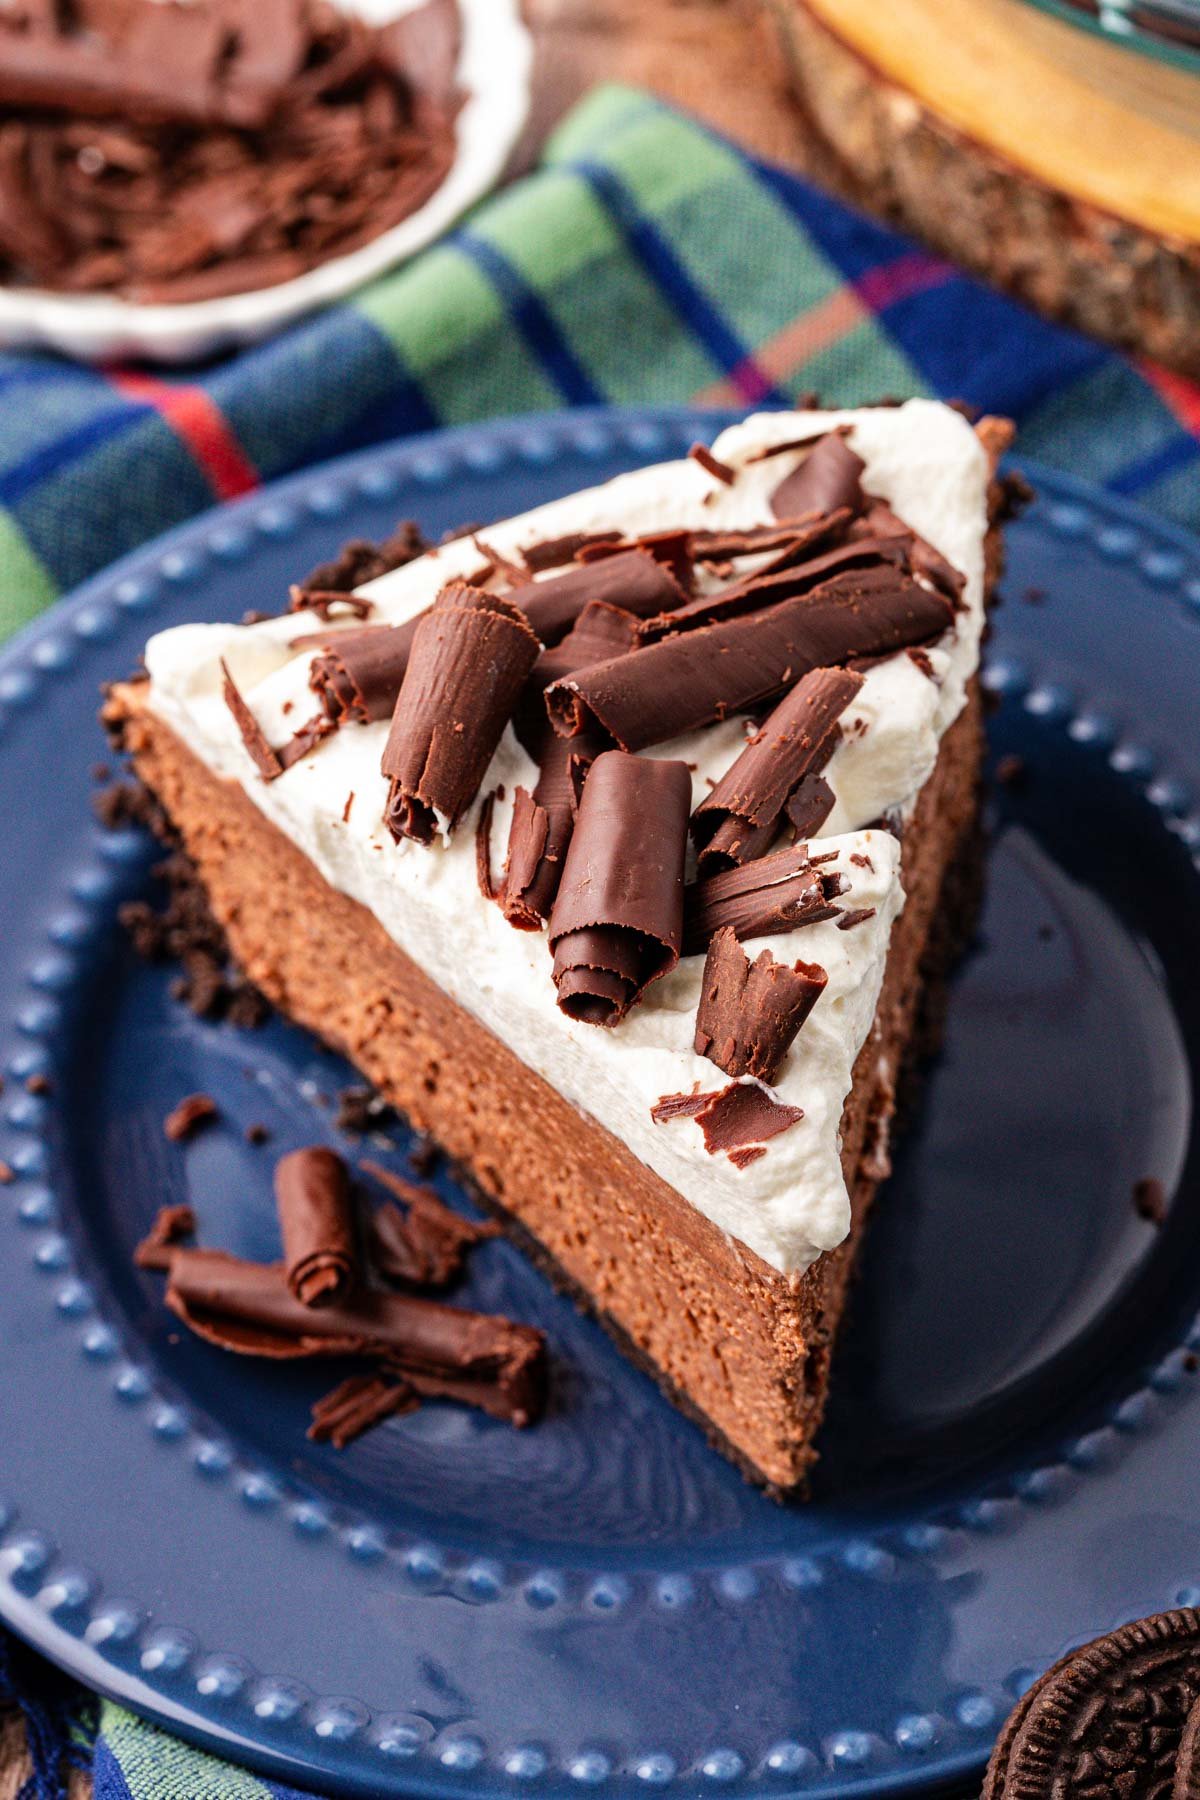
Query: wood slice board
x,y
1062,167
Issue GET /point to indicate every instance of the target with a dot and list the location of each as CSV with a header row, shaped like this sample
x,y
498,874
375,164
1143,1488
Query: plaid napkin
x,y
644,261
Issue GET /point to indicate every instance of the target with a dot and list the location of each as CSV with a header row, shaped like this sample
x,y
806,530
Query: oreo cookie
x,y
1116,1718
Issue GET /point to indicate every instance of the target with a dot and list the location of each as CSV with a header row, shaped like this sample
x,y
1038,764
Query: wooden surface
x,y
1114,130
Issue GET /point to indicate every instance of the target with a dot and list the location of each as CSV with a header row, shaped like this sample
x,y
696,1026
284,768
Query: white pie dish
x,y
494,72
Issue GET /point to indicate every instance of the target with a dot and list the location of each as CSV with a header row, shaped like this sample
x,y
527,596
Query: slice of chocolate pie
x,y
615,845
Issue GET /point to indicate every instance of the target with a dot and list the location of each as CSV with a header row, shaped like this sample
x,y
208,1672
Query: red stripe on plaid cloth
x,y
1177,392
194,418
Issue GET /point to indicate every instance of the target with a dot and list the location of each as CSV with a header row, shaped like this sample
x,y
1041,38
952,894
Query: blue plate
x,y
1012,1461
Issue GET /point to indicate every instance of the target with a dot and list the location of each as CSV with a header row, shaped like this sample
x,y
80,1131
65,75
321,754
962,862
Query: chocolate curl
x,y
540,833
780,892
742,814
312,1196
96,80
247,1308
750,1013
471,654
672,547
601,632
695,677
617,921
633,580
830,476
542,822
359,673
791,572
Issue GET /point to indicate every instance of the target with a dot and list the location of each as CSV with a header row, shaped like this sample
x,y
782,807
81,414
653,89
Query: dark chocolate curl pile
x,y
316,1219
617,922
359,672
742,815
830,476
471,655
750,1013
695,677
441,1350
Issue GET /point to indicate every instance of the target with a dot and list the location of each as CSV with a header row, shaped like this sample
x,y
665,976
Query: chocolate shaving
x,y
880,521
188,1116
423,46
787,445
358,674
330,603
733,1119
305,738
618,916
719,470
602,631
471,653
750,1013
171,1226
775,893
678,1106
740,817
542,826
552,553
312,1196
829,477
855,915
695,677
248,1308
795,536
483,846
357,1405
424,1245
253,736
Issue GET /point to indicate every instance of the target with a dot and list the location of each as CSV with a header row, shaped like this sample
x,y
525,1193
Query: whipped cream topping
x,y
791,1203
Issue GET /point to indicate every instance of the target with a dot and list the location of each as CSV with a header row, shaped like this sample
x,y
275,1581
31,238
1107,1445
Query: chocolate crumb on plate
x,y
1150,1200
7,1174
1012,771
190,1114
257,1133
